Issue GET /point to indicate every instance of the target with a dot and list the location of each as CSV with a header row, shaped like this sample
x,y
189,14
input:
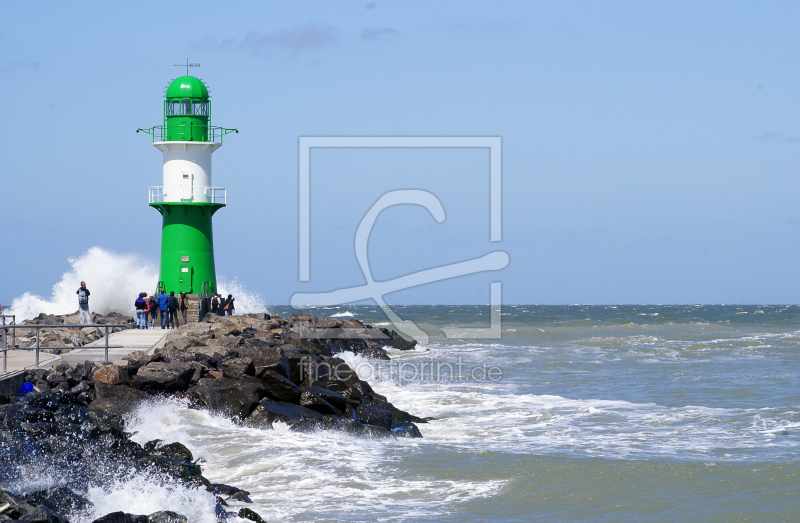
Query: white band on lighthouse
x,y
187,165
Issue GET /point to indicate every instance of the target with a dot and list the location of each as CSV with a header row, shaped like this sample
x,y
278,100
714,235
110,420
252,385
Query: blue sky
x,y
650,149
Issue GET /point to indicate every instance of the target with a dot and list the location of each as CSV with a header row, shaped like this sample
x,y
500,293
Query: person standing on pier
x,y
184,308
83,304
229,305
173,310
163,308
152,310
141,310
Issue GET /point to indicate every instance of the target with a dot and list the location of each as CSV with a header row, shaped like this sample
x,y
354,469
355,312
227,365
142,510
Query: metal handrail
x,y
193,193
214,133
5,328
13,330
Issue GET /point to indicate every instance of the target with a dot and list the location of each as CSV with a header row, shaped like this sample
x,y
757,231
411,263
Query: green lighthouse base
x,y
187,247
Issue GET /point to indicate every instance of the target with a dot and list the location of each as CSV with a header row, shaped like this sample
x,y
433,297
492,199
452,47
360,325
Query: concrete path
x,y
131,340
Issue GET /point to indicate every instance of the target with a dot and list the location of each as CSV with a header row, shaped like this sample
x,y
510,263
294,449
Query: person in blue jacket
x,y
163,307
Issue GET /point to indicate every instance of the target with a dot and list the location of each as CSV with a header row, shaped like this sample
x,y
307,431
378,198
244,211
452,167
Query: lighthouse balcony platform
x,y
189,194
191,132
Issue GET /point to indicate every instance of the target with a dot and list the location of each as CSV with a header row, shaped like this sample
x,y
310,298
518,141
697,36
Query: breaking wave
x,y
114,280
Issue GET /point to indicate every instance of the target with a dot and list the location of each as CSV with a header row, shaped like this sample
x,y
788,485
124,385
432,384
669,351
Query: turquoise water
x,y
601,413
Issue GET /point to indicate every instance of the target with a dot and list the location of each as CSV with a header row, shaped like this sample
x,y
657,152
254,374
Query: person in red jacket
x,y
152,309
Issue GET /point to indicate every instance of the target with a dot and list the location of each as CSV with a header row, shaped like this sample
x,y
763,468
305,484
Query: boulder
x,y
314,402
234,399
113,374
121,517
225,344
200,371
246,513
137,359
278,387
407,430
166,516
237,367
359,429
273,359
122,392
174,451
333,398
267,412
163,377
377,416
59,499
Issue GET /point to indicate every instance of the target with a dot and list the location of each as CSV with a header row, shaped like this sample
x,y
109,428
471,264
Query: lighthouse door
x,y
187,180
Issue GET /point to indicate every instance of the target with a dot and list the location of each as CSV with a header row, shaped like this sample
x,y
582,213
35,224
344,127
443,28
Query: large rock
x,y
121,517
314,402
273,359
113,374
374,416
279,388
234,399
267,412
163,377
238,367
137,359
333,398
106,391
114,406
59,499
225,344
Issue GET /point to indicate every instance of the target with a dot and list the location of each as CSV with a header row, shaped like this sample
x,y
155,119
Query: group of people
x,y
222,306
166,307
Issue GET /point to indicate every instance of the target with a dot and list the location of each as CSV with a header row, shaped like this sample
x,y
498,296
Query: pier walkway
x,y
125,341
129,340
120,343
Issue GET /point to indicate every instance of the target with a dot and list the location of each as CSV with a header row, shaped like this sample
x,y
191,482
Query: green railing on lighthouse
x,y
187,133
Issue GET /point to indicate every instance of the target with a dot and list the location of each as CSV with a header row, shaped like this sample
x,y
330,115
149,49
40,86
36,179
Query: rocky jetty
x,y
66,338
255,369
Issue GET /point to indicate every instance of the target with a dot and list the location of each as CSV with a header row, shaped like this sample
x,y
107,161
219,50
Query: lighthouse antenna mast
x,y
187,65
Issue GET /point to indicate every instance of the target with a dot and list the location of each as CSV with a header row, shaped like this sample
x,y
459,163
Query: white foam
x,y
245,300
346,314
293,475
144,494
114,280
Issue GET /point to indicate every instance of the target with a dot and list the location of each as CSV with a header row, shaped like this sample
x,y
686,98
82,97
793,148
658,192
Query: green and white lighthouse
x,y
187,200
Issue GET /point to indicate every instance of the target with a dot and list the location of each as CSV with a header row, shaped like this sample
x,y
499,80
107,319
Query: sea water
x,y
579,413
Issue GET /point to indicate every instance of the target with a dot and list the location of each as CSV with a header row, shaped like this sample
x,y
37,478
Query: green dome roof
x,y
187,87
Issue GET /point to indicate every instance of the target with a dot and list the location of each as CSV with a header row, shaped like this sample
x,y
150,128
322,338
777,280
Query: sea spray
x,y
245,301
147,493
114,280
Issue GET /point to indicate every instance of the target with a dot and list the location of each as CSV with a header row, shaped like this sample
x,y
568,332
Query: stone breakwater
x,y
255,369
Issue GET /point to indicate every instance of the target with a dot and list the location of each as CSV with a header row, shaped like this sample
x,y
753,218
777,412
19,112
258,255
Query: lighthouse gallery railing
x,y
214,133
190,194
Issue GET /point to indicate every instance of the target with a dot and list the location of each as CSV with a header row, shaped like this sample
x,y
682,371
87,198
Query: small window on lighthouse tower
x,y
187,107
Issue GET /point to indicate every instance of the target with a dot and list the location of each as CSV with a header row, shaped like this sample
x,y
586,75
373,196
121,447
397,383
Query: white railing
x,y
191,194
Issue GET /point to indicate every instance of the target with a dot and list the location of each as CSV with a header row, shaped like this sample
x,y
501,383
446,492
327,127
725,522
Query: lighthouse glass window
x,y
186,107
201,108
